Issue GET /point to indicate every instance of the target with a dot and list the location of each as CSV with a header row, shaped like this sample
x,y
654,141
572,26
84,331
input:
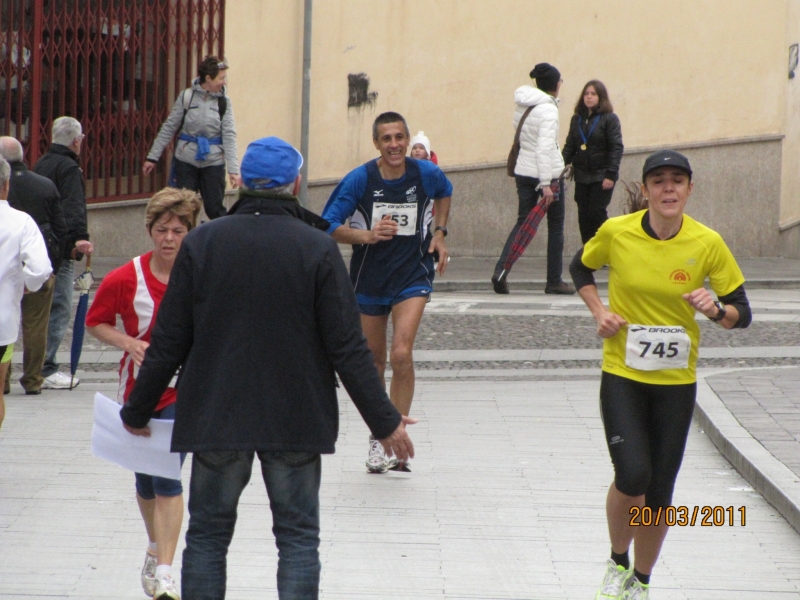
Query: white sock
x,y
151,546
162,570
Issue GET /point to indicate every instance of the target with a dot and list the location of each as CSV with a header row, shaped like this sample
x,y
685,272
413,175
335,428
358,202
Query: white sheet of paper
x,y
111,442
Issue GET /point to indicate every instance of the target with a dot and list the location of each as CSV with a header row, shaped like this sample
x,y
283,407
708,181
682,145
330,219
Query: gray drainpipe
x,y
306,100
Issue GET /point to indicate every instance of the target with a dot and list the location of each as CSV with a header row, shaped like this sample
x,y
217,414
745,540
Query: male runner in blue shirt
x,y
390,203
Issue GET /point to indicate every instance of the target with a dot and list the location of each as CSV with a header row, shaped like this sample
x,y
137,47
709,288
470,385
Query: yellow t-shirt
x,y
646,281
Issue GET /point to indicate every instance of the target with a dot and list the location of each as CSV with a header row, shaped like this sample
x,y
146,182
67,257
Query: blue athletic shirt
x,y
383,271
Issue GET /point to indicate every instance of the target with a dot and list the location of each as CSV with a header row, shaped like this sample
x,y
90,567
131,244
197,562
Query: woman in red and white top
x,y
134,292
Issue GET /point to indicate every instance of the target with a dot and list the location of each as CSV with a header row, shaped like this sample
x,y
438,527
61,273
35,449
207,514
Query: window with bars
x,y
115,65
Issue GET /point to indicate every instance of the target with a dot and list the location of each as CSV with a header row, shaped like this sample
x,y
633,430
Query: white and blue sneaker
x,y
377,461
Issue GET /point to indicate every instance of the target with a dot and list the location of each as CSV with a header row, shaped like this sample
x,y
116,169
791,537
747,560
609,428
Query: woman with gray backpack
x,y
203,119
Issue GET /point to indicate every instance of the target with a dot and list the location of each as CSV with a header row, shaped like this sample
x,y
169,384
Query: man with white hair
x,y
23,264
38,197
61,166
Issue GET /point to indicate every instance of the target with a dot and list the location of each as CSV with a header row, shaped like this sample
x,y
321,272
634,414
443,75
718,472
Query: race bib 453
x,y
657,347
405,215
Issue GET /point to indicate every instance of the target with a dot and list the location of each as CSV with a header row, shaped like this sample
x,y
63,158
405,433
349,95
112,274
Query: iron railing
x,y
115,65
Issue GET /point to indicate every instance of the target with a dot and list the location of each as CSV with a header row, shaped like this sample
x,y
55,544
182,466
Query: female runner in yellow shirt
x,y
658,260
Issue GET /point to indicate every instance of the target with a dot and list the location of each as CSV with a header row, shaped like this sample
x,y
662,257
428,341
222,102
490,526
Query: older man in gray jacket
x,y
260,315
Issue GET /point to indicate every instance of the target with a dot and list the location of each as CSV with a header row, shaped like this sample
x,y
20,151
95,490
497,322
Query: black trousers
x,y
529,197
592,201
646,429
209,181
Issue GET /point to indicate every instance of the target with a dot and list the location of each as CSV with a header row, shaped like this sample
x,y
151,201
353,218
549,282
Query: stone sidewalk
x,y
505,502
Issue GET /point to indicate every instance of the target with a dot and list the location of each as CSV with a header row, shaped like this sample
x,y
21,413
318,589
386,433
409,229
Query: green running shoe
x,y
614,582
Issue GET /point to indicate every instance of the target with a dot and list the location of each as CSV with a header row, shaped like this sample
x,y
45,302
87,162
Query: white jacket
x,y
23,264
539,155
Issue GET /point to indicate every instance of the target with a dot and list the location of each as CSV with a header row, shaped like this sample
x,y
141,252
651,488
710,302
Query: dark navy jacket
x,y
259,314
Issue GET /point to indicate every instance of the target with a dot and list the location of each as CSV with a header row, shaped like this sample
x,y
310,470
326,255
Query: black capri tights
x,y
646,428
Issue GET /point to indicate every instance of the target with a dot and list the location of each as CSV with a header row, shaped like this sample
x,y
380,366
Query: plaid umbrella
x,y
84,282
529,228
524,236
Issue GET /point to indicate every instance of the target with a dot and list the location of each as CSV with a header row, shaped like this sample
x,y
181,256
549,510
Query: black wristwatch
x,y
442,229
721,312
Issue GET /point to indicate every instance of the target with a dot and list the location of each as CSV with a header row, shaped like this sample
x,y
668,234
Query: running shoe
x,y
149,574
636,590
400,467
614,582
59,381
376,460
166,589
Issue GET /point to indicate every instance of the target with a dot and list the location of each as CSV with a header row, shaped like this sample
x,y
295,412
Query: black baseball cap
x,y
666,158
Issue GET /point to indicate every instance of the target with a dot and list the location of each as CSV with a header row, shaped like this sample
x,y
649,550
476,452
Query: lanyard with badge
x,y
580,130
657,347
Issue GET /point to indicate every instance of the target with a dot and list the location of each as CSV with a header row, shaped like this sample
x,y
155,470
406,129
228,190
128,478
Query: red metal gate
x,y
115,65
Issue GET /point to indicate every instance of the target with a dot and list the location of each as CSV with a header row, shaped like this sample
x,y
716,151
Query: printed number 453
x,y
401,220
670,351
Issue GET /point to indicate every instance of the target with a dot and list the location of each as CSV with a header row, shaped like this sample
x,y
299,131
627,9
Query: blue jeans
x,y
218,478
528,197
60,314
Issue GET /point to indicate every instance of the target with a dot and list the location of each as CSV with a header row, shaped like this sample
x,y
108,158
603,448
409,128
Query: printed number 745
x,y
671,351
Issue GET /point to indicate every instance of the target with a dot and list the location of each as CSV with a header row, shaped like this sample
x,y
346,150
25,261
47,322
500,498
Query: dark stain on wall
x,y
358,94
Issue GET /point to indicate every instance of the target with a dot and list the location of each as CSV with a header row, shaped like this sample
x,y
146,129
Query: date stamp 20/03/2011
x,y
682,516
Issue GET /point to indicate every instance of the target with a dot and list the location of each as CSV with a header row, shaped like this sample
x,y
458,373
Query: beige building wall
x,y
699,71
790,181
708,77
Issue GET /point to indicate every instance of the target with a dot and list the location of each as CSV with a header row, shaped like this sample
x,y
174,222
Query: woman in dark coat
x,y
594,149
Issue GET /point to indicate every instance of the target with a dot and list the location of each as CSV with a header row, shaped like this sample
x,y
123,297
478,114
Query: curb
x,y
776,483
485,285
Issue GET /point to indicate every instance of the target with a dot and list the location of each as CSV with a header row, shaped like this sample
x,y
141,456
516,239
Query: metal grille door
x,y
115,65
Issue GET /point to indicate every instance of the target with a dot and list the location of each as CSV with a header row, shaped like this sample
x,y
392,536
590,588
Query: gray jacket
x,y
202,119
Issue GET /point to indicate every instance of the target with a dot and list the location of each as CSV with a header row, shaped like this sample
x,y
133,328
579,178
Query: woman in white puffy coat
x,y
539,167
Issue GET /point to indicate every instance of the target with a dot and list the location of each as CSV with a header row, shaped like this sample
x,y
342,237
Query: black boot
x,y
500,284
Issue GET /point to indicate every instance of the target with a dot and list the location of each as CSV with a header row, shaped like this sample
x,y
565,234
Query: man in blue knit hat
x,y
260,316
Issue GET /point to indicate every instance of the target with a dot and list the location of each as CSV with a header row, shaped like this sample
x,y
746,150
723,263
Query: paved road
x,y
506,496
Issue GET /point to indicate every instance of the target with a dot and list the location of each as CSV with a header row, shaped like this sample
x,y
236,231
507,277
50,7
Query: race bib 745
x,y
657,347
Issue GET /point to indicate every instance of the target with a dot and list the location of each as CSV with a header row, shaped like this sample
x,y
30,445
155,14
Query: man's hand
x,y
136,349
608,183
148,167
235,180
384,230
84,246
609,324
398,444
438,245
141,432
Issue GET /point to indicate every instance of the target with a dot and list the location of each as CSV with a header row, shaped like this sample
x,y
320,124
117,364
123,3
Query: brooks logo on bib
x,y
657,347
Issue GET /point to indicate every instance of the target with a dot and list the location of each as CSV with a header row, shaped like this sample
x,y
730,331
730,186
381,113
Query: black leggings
x,y
646,428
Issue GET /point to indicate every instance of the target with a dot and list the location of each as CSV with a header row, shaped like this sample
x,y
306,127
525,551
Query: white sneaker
x,y
614,581
166,589
376,459
59,381
149,574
